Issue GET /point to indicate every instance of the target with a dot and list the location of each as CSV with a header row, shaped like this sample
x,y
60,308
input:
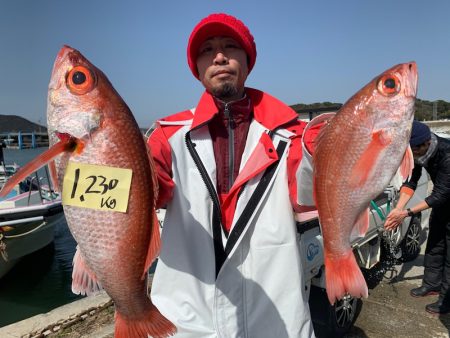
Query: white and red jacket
x,y
246,282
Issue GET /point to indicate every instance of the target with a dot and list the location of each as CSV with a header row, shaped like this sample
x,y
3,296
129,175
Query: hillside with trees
x,y
423,108
424,112
14,123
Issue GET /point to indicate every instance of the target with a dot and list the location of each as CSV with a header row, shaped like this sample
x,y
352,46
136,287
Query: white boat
x,y
6,171
27,221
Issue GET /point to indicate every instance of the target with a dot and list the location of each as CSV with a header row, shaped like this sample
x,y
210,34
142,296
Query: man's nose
x,y
220,58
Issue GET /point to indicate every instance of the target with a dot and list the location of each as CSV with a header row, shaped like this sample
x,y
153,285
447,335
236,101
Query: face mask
x,y
423,160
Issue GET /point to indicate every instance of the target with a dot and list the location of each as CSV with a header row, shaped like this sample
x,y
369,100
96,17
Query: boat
x,y
28,216
6,171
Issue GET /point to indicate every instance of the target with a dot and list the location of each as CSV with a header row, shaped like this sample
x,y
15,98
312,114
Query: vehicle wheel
x,y
410,244
332,320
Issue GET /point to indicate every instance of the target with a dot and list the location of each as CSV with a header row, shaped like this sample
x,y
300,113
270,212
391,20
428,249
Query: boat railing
x,y
22,220
4,173
46,192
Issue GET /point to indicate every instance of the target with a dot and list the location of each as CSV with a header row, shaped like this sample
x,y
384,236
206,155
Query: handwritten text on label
x,y
97,187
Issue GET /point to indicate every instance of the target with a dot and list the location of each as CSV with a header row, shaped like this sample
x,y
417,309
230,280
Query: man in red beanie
x,y
432,153
227,170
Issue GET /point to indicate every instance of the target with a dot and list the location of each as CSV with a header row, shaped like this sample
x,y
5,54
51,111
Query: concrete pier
x,y
22,140
442,128
45,324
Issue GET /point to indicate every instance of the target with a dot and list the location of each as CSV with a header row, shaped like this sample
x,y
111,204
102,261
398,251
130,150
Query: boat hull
x,y
27,238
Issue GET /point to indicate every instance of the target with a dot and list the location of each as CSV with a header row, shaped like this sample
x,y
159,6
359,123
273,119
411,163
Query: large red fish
x,y
89,123
356,155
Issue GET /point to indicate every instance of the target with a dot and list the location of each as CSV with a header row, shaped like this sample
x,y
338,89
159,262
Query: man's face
x,y
222,67
421,149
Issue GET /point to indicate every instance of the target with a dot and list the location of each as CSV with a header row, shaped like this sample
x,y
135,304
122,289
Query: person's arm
x,y
161,154
440,195
297,183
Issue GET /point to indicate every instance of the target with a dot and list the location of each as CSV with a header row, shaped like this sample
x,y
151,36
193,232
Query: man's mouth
x,y
222,72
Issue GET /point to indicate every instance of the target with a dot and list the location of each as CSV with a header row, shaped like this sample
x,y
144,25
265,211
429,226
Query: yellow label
x,y
96,187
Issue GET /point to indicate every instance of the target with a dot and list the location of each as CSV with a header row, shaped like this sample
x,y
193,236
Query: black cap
x,y
420,134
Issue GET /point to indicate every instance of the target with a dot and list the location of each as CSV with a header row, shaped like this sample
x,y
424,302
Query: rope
x,y
67,323
25,233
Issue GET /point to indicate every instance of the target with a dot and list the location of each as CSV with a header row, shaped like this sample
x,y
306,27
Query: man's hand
x,y
394,219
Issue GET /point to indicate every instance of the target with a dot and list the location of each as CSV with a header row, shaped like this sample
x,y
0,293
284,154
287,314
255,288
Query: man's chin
x,y
225,90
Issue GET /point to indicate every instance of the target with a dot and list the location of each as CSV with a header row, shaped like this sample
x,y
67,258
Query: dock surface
x,y
388,312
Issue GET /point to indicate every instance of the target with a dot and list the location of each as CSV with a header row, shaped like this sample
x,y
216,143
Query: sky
x,y
308,51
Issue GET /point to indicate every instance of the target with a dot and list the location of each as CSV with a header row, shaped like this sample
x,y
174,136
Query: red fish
x,y
89,123
356,155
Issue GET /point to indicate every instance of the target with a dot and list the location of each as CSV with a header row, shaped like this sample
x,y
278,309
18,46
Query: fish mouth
x,y
72,144
412,79
61,57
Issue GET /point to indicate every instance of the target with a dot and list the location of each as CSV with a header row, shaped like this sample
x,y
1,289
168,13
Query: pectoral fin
x,y
363,169
154,245
407,164
84,281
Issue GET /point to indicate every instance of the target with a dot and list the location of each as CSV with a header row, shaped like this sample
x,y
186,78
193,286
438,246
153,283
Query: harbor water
x,y
42,280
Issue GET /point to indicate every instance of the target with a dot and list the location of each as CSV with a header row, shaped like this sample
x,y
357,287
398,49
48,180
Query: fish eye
x,y
389,85
80,80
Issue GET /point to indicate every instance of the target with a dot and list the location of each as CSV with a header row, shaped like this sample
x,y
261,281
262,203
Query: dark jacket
x,y
438,167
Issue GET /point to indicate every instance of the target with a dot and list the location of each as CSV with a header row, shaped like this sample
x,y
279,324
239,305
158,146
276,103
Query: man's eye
x,y
205,50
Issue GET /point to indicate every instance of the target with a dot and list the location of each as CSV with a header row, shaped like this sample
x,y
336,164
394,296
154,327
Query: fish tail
x,y
154,324
344,276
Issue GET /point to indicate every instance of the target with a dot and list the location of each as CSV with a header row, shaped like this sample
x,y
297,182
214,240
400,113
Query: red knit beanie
x,y
220,24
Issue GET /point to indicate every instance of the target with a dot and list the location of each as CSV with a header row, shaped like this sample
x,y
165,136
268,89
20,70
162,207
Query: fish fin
x,y
155,184
154,246
361,226
84,281
153,324
32,166
407,164
363,168
54,176
343,276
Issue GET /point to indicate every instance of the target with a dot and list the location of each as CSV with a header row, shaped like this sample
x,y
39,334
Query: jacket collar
x,y
268,111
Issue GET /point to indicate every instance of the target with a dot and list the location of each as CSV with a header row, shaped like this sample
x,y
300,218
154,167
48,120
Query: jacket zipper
x,y
219,250
204,174
227,113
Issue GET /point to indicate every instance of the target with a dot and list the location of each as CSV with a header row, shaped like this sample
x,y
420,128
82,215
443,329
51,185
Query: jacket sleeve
x,y
440,195
162,158
293,162
414,179
299,175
